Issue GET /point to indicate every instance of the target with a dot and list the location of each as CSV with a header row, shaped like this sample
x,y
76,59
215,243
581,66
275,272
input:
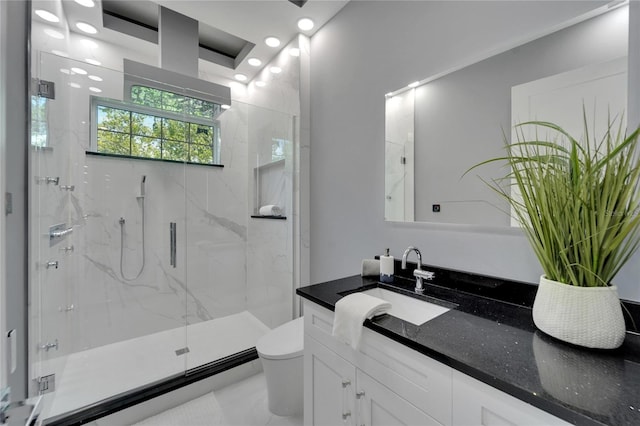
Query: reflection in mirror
x,y
459,117
399,162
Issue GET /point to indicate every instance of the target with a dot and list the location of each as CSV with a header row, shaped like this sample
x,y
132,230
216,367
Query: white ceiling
x,y
251,20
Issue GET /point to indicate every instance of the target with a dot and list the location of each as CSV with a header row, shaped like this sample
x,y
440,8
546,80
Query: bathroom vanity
x,y
481,363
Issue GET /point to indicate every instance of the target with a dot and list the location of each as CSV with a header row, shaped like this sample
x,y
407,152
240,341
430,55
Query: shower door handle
x,y
172,243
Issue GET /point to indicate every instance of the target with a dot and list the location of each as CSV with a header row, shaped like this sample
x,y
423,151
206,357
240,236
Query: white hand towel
x,y
350,313
270,210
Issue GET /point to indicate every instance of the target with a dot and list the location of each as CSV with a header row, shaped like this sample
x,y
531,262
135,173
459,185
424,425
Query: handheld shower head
x,y
142,185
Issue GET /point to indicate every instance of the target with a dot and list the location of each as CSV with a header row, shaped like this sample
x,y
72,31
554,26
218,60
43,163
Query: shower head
x,y
142,184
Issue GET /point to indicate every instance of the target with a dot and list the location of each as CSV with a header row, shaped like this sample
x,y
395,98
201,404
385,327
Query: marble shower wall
x,y
226,262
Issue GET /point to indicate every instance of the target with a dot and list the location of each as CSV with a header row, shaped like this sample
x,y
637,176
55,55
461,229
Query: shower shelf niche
x,y
269,188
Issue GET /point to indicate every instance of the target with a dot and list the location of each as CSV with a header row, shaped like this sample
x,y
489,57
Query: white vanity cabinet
x,y
385,383
381,384
340,393
329,383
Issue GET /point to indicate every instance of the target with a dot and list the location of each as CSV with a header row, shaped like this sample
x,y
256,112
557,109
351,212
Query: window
x,y
39,126
158,125
277,149
168,101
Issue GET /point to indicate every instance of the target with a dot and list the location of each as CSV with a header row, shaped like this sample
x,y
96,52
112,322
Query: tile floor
x,y
240,404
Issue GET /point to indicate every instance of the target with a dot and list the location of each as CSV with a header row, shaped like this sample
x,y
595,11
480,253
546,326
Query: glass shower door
x,y
107,296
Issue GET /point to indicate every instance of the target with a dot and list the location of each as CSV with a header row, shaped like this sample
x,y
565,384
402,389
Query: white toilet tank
x,y
281,352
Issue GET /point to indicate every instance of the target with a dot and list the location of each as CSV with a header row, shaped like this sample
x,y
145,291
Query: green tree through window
x,y
180,129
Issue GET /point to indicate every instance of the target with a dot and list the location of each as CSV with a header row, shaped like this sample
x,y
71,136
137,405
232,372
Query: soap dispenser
x,y
386,267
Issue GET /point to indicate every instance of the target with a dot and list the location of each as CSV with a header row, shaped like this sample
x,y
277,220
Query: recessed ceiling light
x,y
60,53
53,33
305,24
65,71
240,77
260,83
78,71
294,51
254,62
95,89
86,3
272,41
86,28
414,84
75,85
93,62
47,16
95,78
275,70
225,106
89,43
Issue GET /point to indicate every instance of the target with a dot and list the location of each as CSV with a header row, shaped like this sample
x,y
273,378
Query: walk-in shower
x,y
123,311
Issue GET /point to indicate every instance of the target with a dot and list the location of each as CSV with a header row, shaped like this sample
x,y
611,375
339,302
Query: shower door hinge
x,y
44,89
46,384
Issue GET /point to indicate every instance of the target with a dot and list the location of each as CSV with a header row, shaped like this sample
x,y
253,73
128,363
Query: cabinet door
x,y
377,405
329,384
476,403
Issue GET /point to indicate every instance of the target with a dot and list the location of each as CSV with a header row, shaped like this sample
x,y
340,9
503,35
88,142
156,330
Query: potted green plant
x,y
578,203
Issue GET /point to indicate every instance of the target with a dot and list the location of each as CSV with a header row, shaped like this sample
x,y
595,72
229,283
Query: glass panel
x,y
114,142
172,150
39,128
201,154
201,108
113,293
146,96
118,306
174,130
146,125
114,119
145,147
173,102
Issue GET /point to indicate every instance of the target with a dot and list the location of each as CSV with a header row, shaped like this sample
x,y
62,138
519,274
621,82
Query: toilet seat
x,y
283,342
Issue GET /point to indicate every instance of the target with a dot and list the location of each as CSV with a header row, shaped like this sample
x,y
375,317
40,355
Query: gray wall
x,y
367,50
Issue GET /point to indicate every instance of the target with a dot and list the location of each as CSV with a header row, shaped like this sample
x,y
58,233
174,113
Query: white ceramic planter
x,y
585,316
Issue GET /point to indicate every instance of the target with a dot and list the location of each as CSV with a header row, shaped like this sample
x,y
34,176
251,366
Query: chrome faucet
x,y
418,272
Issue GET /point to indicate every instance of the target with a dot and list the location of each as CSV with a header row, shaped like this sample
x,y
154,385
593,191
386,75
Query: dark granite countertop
x,y
490,336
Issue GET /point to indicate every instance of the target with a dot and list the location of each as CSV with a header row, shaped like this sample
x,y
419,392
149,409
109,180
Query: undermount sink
x,y
413,310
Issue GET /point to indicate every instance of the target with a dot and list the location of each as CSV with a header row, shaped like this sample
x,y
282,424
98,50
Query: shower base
x,y
90,377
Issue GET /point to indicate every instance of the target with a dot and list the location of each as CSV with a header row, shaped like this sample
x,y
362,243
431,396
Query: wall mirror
x,y
443,125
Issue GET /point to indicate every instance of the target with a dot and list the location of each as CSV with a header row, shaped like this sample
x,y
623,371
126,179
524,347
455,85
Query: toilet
x,y
281,352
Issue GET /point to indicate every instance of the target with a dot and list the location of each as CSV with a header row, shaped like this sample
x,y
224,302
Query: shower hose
x,y
122,221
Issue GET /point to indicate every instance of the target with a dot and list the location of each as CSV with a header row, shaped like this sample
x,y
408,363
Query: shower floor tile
x,y
241,404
